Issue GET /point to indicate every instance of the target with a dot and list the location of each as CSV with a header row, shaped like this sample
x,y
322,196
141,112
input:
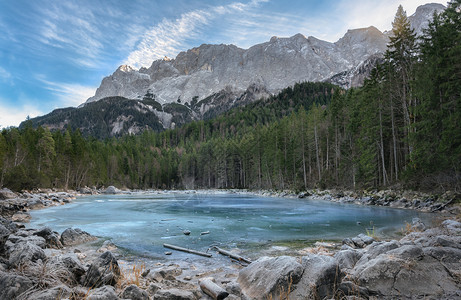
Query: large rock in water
x,y
12,286
111,190
103,271
71,237
268,277
320,279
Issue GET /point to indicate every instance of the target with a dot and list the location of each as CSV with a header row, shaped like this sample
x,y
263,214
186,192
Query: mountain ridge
x,y
275,64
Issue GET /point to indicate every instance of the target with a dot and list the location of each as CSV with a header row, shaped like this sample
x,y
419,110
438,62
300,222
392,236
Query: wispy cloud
x,y
4,75
69,94
170,36
13,116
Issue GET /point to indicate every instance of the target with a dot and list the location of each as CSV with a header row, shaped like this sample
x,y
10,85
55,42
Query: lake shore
x,y
83,262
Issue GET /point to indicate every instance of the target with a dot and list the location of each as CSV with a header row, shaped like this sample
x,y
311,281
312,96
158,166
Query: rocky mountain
x,y
206,81
203,71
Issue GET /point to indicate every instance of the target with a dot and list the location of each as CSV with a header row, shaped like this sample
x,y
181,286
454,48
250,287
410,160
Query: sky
x,y
54,54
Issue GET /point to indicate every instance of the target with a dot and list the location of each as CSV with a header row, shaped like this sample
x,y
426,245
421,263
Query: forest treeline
x,y
401,129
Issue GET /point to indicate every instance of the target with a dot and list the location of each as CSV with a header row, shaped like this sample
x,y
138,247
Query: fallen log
x,y
212,289
186,250
232,255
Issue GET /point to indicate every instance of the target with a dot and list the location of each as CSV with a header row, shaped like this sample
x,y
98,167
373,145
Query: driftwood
x,y
212,289
205,232
186,250
232,255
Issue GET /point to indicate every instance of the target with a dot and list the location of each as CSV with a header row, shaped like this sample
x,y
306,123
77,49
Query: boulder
x,y
103,271
24,253
57,292
33,239
7,194
348,288
12,286
409,252
167,273
8,224
452,226
103,293
347,258
133,292
70,265
51,237
417,225
174,294
390,276
112,190
71,237
21,217
320,279
107,246
269,277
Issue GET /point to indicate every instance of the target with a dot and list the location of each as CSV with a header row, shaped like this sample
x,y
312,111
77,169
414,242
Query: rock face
x,y
268,277
274,65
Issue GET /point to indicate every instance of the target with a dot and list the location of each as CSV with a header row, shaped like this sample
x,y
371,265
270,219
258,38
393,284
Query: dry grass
x,y
131,275
45,276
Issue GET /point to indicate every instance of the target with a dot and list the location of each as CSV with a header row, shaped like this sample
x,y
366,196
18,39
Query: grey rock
x,y
153,288
266,276
347,258
71,237
390,276
103,293
444,254
366,239
25,253
375,249
12,286
70,264
112,190
167,273
21,217
51,237
15,239
103,271
7,194
348,288
174,294
133,292
408,252
321,278
453,227
57,292
417,225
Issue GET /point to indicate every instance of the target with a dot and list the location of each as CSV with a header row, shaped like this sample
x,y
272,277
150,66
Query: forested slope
x,y
400,129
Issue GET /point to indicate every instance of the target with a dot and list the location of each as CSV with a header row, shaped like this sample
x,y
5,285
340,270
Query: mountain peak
x,y
125,69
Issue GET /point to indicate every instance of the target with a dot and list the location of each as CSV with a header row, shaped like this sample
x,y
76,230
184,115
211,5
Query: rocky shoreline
x,y
43,264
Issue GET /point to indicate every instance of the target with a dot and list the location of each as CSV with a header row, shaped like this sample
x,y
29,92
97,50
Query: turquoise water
x,y
141,223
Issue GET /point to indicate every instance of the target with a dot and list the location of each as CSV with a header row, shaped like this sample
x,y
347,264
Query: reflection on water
x,y
141,223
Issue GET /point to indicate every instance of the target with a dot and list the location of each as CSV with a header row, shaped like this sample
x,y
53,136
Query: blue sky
x,y
54,54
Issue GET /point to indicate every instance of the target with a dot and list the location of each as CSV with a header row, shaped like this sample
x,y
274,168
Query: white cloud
x,y
170,36
13,116
69,94
364,13
4,74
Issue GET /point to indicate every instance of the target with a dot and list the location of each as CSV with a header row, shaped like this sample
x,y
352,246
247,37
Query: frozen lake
x,y
140,223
